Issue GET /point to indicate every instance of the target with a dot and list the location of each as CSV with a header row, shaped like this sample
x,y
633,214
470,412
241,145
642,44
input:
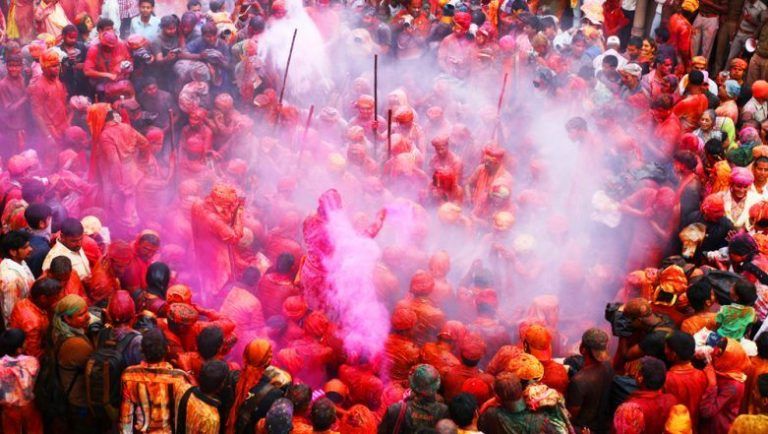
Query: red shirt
x,y
33,321
97,60
655,406
687,384
721,404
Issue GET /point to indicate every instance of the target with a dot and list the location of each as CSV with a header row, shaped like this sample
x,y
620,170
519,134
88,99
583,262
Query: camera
x,y
621,326
142,55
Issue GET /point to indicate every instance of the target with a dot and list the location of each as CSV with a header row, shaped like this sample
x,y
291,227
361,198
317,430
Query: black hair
x,y
463,408
682,344
69,28
37,213
547,22
45,287
13,240
746,293
152,2
576,123
699,293
193,3
611,60
635,41
687,159
696,78
256,24
61,265
72,227
662,102
209,341
714,147
323,414
654,373
154,346
215,6
213,374
285,263
169,21
574,362
760,159
470,363
209,29
32,189
104,23
10,341
662,34
251,276
300,395
762,385
762,346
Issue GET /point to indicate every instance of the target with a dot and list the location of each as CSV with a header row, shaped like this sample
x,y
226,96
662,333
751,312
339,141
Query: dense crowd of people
x,y
264,216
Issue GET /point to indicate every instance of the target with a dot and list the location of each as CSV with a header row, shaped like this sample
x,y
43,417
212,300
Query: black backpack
x,y
51,395
104,368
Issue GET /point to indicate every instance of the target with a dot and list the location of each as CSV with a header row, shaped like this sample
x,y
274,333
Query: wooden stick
x,y
389,134
501,96
304,136
376,102
287,66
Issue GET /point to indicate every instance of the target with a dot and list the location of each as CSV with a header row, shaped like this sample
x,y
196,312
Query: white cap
x,y
613,40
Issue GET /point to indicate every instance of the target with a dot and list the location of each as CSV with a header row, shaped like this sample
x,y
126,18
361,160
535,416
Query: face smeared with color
x,y
760,170
491,163
79,319
14,70
70,38
739,191
365,111
146,250
441,148
195,118
737,72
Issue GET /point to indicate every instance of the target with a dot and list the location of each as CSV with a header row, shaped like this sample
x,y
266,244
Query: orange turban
x,y
733,362
316,324
358,420
49,59
494,151
403,319
257,356
738,63
178,293
713,208
294,307
224,194
478,388
679,421
473,347
760,89
183,314
629,419
422,283
365,101
120,253
526,367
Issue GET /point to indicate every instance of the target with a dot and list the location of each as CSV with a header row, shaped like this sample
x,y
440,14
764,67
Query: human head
x,y
700,295
50,63
680,347
154,346
61,269
744,292
507,387
104,24
69,34
146,8
633,47
736,69
661,108
323,414
760,90
121,308
279,418
707,120
73,311
537,341
424,380
11,342
39,215
14,64
210,341
301,397
463,408
212,377
15,245
209,32
652,374
759,170
45,292
594,344
169,25
72,234
741,179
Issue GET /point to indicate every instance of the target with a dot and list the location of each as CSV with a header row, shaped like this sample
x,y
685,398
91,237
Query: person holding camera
x,y
641,332
72,63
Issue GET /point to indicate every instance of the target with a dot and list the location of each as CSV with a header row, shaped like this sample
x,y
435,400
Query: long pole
x,y
285,82
287,66
389,134
376,102
501,95
304,136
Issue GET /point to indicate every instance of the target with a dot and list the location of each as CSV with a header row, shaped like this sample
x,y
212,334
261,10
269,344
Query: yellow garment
x,y
749,424
13,29
690,5
722,179
679,421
